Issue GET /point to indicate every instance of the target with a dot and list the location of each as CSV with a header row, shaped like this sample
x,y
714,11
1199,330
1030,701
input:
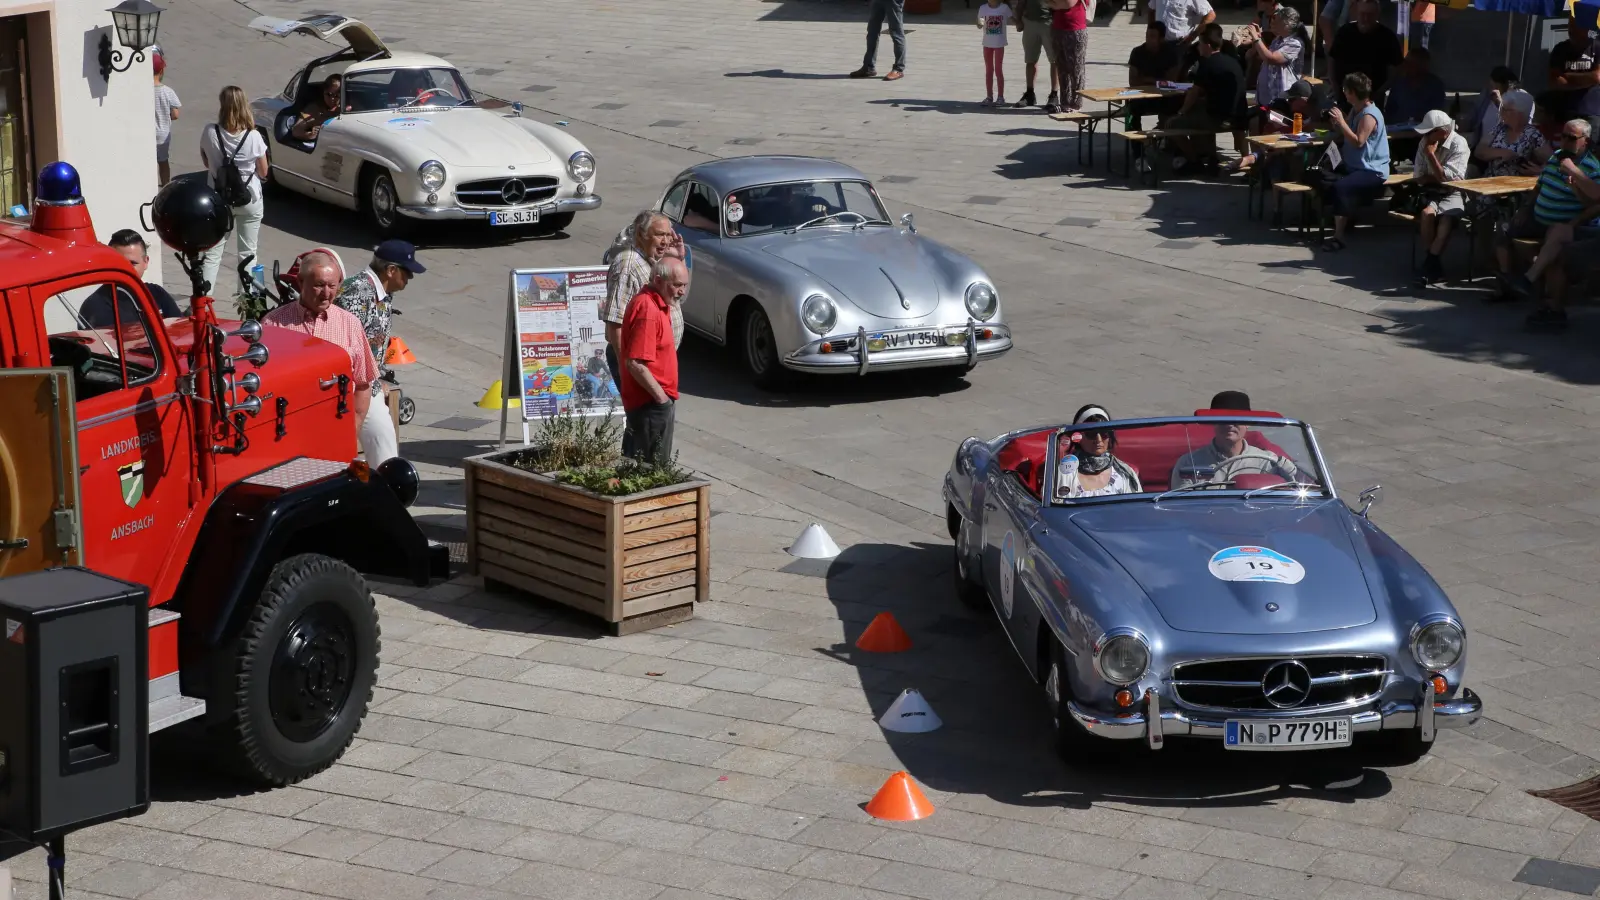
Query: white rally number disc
x,y
1255,564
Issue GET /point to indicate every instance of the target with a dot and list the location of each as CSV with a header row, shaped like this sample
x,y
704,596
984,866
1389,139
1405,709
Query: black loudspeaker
x,y
74,709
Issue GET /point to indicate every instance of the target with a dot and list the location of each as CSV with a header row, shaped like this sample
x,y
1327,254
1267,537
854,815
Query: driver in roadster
x,y
1228,455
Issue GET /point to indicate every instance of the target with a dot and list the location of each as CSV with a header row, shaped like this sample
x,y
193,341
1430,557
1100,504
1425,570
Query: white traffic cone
x,y
814,543
910,713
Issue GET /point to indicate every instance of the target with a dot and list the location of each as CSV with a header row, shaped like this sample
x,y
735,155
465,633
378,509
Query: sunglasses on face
x,y
1571,137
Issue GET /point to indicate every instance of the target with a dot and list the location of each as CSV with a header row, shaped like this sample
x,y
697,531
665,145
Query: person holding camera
x,y
235,157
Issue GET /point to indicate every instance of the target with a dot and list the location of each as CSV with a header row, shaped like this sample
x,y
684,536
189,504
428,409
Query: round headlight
x,y
819,314
1438,645
981,301
1121,658
581,165
431,173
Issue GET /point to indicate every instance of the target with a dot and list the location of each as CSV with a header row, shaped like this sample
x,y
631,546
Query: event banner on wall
x,y
559,342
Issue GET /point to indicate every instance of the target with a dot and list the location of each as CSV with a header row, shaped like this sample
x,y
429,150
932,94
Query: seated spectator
x,y
1364,161
1310,102
1213,103
1154,60
1514,145
1441,157
96,311
1567,204
1365,45
1480,123
1557,203
1416,91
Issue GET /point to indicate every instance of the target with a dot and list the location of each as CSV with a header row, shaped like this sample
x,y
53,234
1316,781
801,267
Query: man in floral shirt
x,y
367,295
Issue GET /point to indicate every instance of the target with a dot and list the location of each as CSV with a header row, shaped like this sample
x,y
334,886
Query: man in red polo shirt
x,y
650,383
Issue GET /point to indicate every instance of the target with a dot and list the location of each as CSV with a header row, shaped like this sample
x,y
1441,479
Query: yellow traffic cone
x,y
492,398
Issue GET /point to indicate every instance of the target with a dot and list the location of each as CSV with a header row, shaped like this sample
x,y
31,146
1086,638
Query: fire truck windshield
x,y
85,337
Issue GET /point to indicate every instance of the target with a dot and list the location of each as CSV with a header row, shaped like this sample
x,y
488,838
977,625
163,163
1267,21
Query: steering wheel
x,y
832,215
423,96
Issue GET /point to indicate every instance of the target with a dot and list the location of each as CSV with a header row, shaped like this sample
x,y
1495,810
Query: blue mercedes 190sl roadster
x,y
1200,576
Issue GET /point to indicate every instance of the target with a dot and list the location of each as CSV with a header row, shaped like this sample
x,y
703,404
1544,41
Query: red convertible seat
x,y
1249,482
1253,438
1024,455
1152,452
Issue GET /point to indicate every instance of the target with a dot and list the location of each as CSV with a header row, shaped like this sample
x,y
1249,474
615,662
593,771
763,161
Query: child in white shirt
x,y
992,20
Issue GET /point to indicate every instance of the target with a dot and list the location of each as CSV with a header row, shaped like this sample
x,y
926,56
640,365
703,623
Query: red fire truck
x,y
234,494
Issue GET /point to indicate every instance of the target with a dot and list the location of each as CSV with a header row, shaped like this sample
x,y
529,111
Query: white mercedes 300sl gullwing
x,y
410,143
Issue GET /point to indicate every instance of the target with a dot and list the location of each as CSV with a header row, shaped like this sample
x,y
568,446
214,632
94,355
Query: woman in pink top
x,y
1069,28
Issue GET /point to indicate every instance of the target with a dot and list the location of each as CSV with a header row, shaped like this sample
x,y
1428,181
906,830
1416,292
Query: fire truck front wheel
x,y
305,668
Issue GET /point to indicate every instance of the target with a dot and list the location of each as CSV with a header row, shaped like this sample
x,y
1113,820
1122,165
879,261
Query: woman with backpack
x,y
236,162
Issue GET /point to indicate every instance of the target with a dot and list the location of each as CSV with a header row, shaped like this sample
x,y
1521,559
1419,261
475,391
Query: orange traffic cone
x,y
398,354
884,635
899,800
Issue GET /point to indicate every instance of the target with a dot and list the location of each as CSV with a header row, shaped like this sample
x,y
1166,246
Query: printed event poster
x,y
561,342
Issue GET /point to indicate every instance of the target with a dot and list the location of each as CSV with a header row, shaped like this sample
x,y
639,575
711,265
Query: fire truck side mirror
x,y
249,329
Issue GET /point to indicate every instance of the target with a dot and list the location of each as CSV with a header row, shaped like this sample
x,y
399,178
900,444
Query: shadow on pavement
x,y
709,371
997,739
321,224
780,73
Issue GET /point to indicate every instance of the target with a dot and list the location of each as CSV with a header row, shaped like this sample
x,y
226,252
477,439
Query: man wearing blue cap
x,y
367,295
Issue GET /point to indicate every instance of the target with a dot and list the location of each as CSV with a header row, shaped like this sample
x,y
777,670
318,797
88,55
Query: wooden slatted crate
x,y
637,562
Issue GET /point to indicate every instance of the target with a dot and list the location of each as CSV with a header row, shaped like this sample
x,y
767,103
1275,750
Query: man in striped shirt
x,y
1558,211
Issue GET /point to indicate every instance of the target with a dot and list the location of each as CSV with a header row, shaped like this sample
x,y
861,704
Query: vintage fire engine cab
x,y
214,462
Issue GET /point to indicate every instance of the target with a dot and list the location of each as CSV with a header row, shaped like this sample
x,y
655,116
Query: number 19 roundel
x,y
1255,564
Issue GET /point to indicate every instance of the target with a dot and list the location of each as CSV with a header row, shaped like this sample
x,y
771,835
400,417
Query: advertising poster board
x,y
556,344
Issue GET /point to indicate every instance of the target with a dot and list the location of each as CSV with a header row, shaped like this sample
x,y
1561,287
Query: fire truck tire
x,y
305,669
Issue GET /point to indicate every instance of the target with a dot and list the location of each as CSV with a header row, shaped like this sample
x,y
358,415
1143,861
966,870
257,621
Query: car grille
x,y
492,192
1238,683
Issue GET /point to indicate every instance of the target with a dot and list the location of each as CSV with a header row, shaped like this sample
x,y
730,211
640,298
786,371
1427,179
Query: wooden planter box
x,y
636,562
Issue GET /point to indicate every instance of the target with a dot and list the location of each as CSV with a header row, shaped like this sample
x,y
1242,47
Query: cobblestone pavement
x,y
513,752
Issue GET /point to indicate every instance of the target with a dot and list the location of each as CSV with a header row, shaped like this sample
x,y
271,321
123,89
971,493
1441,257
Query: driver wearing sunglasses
x,y
1090,468
319,110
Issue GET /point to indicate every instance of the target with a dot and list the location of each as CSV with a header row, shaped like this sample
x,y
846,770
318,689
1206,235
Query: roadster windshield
x,y
1165,460
780,207
382,89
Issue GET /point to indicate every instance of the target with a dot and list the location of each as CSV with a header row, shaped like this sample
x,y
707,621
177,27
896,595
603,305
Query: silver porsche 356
x,y
1203,578
796,265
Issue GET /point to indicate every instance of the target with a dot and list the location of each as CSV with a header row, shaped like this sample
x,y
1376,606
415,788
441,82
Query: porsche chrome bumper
x,y
458,213
855,354
1458,712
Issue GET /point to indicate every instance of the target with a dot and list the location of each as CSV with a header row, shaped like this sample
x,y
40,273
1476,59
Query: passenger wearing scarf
x,y
1090,467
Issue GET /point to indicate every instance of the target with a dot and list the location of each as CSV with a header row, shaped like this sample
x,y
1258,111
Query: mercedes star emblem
x,y
513,192
1286,684
1272,607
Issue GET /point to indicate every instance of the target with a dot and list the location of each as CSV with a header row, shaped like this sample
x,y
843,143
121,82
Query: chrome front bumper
x,y
457,213
860,359
1459,712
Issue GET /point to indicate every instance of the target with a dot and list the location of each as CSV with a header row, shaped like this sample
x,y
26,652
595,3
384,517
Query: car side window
x,y
101,334
292,89
700,212
672,206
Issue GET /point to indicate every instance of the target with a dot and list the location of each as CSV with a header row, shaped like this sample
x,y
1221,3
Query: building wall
x,y
105,129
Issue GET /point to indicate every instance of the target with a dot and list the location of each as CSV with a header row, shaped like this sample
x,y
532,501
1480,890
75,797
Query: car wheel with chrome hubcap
x,y
382,203
759,347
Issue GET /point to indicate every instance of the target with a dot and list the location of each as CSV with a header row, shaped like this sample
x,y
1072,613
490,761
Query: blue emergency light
x,y
59,184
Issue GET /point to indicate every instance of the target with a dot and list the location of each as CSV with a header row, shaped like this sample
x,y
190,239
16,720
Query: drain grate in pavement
x,y
985,200
817,568
609,105
1583,797
1177,245
1079,222
538,88
746,141
897,179
1569,877
668,123
460,423
487,71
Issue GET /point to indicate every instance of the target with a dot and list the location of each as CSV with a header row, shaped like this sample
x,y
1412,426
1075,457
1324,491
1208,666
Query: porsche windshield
x,y
380,89
1175,459
797,204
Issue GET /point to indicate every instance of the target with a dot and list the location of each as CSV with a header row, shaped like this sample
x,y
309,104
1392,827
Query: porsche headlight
x,y
431,174
819,314
1121,656
981,301
580,166
1438,644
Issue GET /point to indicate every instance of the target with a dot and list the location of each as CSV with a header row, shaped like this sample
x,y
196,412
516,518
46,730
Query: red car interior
x,y
1150,452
